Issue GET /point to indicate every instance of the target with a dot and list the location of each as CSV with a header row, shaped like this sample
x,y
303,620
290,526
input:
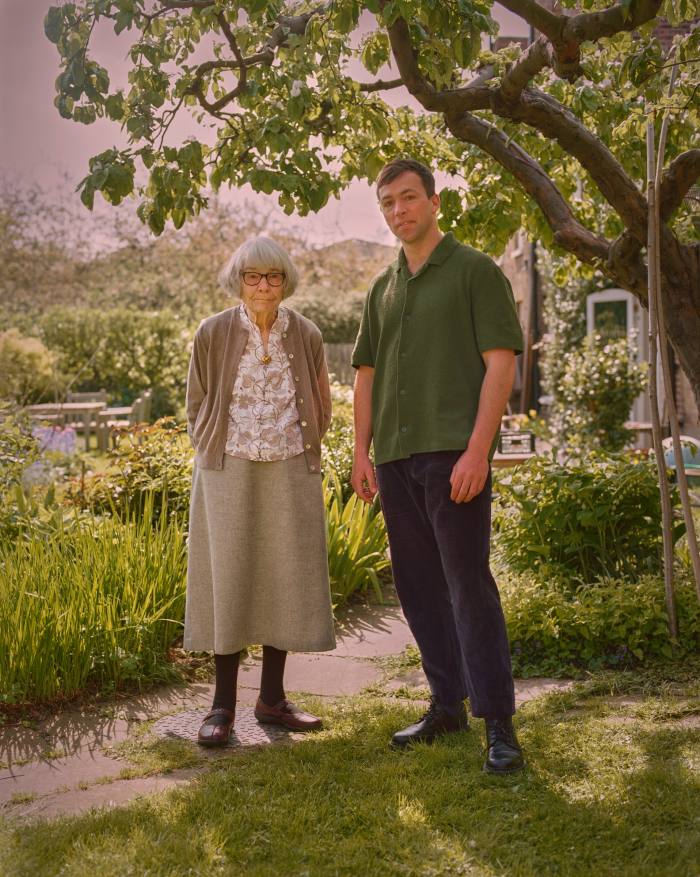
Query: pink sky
x,y
38,146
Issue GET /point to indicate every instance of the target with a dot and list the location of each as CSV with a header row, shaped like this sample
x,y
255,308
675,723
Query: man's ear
x,y
436,202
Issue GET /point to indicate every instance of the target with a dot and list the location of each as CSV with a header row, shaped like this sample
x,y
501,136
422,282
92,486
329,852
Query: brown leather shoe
x,y
216,727
288,715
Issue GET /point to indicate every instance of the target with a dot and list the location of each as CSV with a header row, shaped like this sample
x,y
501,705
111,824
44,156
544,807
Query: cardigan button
x,y
296,378
312,468
291,356
303,423
301,401
308,447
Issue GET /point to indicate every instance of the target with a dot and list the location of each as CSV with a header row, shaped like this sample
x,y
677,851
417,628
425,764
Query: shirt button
x,y
291,356
404,429
296,378
402,392
407,316
308,447
402,354
284,334
303,423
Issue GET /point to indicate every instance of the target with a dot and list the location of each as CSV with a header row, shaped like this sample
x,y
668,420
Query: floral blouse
x,y
263,421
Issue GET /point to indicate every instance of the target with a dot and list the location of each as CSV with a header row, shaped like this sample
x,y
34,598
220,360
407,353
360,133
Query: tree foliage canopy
x,y
301,98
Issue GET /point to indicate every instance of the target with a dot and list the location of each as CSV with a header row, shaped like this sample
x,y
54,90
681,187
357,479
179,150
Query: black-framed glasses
x,y
252,278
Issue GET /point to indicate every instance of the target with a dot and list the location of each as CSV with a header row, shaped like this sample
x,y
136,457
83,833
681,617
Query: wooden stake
x,y
652,279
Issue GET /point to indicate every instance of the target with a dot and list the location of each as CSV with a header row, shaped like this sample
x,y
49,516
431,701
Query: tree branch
x,y
545,114
626,265
548,23
286,24
380,85
537,56
187,4
594,25
407,62
682,173
568,231
566,33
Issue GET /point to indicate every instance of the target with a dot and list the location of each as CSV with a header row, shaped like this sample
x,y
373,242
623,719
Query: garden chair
x,y
690,448
112,421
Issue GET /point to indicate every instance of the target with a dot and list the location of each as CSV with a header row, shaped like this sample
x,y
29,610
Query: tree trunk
x,y
681,300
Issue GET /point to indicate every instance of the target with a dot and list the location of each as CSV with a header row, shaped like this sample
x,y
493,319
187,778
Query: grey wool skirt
x,y
257,571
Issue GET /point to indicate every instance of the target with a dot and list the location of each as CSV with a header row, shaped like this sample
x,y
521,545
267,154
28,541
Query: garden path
x,y
108,754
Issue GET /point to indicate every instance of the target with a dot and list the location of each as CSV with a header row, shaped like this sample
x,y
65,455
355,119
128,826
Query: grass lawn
x,y
612,788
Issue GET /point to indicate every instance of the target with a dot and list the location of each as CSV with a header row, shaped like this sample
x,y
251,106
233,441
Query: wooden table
x,y
79,415
503,461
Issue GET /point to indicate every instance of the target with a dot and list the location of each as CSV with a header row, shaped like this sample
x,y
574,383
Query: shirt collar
x,y
437,257
280,325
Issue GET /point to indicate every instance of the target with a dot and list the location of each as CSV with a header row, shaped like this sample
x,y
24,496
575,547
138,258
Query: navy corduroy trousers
x,y
440,560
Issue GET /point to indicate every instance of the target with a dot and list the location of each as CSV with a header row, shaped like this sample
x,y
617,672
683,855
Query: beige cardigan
x,y
218,346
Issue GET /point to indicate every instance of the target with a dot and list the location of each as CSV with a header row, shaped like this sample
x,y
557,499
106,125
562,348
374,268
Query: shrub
x,y
337,453
612,623
357,544
152,466
599,517
98,604
600,382
125,351
337,316
27,369
18,449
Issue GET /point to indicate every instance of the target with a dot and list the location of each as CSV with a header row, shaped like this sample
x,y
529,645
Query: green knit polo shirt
x,y
424,335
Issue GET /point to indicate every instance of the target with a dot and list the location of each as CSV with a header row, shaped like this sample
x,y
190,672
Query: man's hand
x,y
468,476
363,480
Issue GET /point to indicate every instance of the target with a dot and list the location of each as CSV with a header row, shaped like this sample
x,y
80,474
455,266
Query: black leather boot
x,y
439,719
504,754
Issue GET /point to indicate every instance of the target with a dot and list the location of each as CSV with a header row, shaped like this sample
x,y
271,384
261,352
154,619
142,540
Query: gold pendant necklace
x,y
266,359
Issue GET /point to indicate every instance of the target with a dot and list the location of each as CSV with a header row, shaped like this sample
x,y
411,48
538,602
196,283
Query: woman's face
x,y
262,289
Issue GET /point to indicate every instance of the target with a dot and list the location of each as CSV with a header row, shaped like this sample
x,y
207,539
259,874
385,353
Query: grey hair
x,y
259,253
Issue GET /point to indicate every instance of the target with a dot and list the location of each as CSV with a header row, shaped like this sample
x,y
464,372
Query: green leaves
x,y
303,129
112,174
53,23
599,516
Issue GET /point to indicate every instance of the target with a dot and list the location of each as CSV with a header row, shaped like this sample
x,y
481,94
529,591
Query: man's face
x,y
406,207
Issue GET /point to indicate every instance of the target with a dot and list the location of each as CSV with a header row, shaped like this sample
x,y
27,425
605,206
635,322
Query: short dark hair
x,y
399,166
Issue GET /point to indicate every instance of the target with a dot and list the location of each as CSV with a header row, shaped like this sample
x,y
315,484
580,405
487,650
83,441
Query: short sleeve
x,y
362,353
494,311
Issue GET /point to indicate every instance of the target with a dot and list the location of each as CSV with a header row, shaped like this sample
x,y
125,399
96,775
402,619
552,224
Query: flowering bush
x,y
595,393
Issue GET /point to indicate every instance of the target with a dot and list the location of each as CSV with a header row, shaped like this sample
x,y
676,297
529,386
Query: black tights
x,y
271,683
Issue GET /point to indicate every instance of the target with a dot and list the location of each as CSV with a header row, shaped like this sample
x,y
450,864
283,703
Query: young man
x,y
435,360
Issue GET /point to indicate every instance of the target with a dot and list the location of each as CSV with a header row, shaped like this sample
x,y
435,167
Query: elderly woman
x,y
258,404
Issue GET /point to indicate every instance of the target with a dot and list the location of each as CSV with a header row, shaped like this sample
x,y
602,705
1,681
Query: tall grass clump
x,y
357,543
97,604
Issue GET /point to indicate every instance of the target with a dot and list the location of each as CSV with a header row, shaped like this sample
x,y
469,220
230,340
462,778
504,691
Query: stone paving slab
x,y
372,632
103,796
47,777
321,674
